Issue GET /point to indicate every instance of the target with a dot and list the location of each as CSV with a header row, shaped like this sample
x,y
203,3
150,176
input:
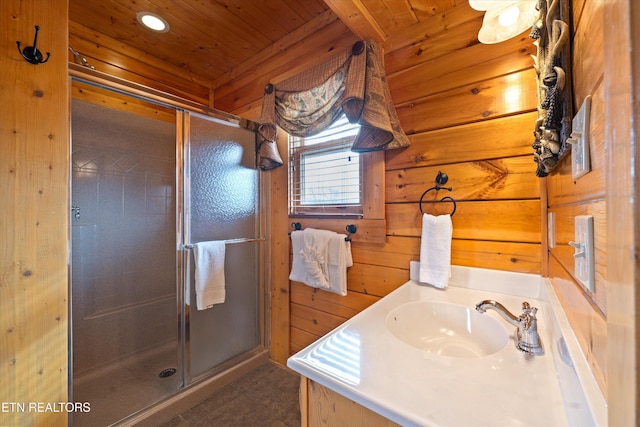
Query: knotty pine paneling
x,y
587,68
278,256
299,340
377,280
328,408
565,232
495,179
314,321
509,256
248,88
346,307
496,220
621,74
568,197
34,214
488,139
114,58
429,27
399,251
475,63
232,81
588,324
562,189
439,44
500,96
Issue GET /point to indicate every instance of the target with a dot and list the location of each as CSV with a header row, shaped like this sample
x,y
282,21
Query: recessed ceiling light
x,y
153,22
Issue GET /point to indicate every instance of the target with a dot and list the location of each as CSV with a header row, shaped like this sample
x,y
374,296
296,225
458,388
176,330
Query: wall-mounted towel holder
x,y
350,228
229,242
441,179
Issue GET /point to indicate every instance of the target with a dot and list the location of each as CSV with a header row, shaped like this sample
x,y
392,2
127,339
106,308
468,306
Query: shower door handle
x,y
76,212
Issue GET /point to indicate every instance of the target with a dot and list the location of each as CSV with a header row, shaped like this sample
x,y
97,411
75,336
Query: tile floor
x,y
265,397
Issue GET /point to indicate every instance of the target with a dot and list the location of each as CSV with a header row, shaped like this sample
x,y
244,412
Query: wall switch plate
x,y
584,268
551,230
579,140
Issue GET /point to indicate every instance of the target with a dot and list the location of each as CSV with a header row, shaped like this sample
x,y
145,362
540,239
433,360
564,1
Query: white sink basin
x,y
447,329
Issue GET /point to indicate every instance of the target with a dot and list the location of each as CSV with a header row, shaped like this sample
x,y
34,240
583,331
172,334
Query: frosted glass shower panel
x,y
233,328
224,204
124,305
224,181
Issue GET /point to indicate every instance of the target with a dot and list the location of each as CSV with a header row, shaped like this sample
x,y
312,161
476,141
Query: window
x,y
325,177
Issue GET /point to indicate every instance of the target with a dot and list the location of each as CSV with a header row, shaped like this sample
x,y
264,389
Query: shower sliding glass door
x,y
222,203
124,264
147,181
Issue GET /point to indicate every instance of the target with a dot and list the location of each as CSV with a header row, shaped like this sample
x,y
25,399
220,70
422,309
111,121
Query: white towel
x,y
435,250
339,258
320,259
209,273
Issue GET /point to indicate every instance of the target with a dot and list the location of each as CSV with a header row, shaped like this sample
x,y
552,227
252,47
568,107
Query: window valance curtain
x,y
354,83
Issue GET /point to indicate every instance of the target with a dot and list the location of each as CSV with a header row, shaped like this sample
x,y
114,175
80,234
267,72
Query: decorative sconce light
x,y
504,19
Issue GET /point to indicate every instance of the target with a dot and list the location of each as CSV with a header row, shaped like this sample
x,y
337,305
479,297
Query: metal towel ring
x,y
437,187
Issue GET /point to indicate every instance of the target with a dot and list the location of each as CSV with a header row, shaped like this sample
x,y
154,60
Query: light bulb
x,y
507,20
509,16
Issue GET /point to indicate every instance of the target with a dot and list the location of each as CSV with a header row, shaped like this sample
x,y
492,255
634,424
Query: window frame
x,y
371,225
298,150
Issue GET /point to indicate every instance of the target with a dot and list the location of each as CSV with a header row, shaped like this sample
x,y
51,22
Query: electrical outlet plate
x,y
584,267
579,140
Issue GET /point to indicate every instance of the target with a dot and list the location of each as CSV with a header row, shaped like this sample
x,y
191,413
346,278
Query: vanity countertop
x,y
365,362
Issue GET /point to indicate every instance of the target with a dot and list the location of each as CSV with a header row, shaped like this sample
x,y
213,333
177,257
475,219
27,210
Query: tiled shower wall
x,y
124,241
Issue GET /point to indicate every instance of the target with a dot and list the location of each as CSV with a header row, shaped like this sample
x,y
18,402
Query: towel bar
x,y
351,229
228,242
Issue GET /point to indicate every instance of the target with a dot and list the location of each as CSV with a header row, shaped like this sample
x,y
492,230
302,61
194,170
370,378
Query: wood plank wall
x,y
585,196
469,110
621,74
34,215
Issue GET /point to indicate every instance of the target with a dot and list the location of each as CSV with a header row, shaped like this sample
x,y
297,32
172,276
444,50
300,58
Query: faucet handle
x,y
527,309
528,316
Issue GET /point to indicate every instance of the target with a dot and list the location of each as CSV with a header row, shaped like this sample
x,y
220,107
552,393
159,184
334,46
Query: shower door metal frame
x,y
183,108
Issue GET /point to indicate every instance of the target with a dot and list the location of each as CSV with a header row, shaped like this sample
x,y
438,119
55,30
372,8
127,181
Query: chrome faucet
x,y
526,337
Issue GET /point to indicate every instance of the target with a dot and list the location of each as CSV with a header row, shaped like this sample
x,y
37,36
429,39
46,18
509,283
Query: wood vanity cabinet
x,y
320,406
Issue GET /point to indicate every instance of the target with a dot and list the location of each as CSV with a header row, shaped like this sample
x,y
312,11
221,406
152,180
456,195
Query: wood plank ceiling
x,y
210,38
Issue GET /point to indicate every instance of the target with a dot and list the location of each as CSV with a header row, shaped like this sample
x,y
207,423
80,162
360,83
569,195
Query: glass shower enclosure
x,y
149,180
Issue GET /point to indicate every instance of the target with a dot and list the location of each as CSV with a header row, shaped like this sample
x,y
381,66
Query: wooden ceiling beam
x,y
358,19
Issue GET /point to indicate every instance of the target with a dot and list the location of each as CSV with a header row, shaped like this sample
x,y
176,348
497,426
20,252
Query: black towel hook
x,y
351,229
31,53
441,179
